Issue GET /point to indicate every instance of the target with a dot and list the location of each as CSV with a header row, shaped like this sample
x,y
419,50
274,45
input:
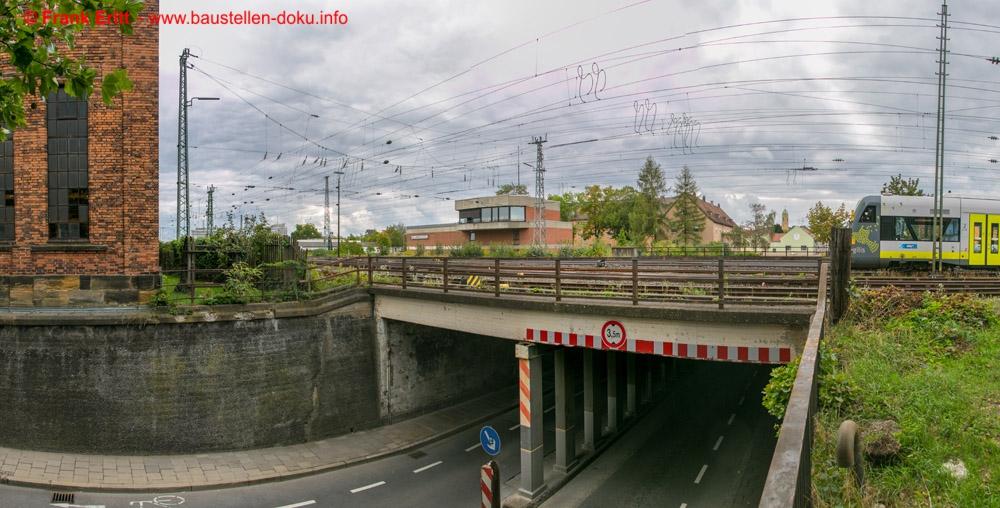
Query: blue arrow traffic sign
x,y
490,440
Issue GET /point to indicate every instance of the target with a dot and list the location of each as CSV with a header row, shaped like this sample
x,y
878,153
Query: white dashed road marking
x,y
298,505
717,443
702,473
428,466
366,487
731,418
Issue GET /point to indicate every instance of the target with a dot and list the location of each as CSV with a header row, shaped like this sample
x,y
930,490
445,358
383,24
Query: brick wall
x,y
123,175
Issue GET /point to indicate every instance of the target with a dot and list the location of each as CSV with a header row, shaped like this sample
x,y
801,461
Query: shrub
x,y
536,251
502,250
468,250
836,390
420,250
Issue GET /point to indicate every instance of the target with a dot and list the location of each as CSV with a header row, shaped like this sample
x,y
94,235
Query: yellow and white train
x,y
891,231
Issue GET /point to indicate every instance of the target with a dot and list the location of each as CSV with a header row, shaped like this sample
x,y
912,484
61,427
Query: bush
x,y
502,250
836,390
536,251
420,250
597,249
468,250
567,250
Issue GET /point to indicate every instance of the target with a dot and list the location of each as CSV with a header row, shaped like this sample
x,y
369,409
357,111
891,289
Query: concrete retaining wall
x,y
188,387
430,367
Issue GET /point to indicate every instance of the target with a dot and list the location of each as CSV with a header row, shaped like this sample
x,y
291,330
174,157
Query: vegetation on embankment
x,y
920,374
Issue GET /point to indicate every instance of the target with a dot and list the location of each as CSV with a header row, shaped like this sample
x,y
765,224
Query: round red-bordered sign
x,y
612,335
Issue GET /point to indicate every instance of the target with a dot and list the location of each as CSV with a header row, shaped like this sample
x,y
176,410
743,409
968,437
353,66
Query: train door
x,y
977,251
984,240
993,240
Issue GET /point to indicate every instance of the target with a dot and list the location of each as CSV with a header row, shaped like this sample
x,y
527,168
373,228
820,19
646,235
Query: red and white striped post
x,y
490,484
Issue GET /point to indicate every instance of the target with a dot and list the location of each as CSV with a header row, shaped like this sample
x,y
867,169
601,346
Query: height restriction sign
x,y
612,335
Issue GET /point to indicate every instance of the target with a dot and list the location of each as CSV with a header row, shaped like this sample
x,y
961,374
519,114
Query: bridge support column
x,y
565,413
591,409
630,404
647,369
612,391
529,364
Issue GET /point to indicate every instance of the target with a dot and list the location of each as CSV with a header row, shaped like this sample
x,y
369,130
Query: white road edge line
x,y
717,443
473,447
366,487
428,466
515,426
702,473
298,505
731,418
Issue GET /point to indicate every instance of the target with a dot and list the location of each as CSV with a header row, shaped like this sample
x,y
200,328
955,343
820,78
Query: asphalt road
x,y
707,445
445,473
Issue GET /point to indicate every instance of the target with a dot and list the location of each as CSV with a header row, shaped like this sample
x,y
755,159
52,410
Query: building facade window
x,y
69,213
7,189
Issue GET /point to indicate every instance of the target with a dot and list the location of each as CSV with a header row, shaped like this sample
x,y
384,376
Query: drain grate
x,y
417,454
62,497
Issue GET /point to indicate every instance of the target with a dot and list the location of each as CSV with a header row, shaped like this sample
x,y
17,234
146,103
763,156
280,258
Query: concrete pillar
x,y
630,400
565,413
612,391
591,410
529,364
384,369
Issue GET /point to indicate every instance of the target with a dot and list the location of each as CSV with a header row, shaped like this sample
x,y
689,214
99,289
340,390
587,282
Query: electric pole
x,y
338,173
183,217
326,217
937,225
183,184
210,211
539,237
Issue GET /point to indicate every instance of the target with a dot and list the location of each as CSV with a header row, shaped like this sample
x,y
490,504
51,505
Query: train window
x,y
913,229
951,229
868,215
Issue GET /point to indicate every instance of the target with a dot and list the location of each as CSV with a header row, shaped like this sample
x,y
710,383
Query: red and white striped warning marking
x,y
676,349
524,380
486,482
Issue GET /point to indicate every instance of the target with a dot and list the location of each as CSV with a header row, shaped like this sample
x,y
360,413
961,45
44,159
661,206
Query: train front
x,y
864,233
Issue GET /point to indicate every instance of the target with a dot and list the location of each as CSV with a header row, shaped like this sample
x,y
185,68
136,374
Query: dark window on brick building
x,y
7,189
69,216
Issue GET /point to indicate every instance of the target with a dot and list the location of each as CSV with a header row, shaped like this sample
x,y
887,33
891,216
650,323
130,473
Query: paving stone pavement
x,y
109,473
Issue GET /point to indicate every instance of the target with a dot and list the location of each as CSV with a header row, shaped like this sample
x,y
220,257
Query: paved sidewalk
x,y
172,473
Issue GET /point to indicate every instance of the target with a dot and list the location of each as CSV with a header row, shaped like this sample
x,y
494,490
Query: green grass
x,y
201,294
935,370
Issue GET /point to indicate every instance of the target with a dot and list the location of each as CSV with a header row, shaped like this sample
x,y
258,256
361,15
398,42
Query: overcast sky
x,y
422,103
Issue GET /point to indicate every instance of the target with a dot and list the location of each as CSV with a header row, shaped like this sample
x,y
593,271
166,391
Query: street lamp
x,y
338,173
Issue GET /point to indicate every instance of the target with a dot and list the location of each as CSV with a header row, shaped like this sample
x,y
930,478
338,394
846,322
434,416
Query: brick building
x,y
505,219
79,218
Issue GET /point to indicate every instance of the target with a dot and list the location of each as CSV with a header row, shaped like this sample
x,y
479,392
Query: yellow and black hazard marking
x,y
472,280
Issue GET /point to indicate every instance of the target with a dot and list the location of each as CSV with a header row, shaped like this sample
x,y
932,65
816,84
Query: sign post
x,y
489,479
490,484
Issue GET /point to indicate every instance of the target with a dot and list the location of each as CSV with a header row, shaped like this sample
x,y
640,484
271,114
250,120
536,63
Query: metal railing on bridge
x,y
709,281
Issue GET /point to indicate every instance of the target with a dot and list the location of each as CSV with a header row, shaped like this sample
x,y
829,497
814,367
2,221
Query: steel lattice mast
x,y
210,211
183,201
540,237
326,213
937,227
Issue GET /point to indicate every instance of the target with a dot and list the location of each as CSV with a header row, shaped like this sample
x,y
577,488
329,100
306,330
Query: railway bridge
x,y
645,311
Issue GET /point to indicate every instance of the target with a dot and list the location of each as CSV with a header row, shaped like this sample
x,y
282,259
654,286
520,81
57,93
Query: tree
x,y
303,231
569,207
515,189
36,51
687,220
397,235
607,211
898,187
760,227
739,237
648,217
822,220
